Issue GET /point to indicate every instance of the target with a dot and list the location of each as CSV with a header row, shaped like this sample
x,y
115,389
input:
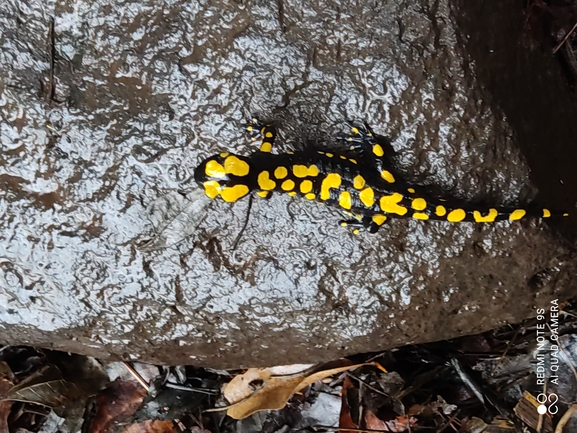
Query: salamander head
x,y
224,175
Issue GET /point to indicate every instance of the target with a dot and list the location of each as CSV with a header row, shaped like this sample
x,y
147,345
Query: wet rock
x,y
107,107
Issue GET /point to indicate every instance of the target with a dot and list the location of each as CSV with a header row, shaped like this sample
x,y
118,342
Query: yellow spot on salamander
x,y
359,182
367,196
214,169
342,156
440,211
388,176
268,134
565,214
489,218
280,172
356,231
306,186
263,194
378,150
233,193
310,196
333,180
292,193
517,214
344,224
265,182
304,171
546,213
411,190
211,188
419,204
456,215
249,128
320,152
354,161
300,170
390,204
224,154
236,166
345,199
379,219
355,130
266,147
330,155
420,216
288,185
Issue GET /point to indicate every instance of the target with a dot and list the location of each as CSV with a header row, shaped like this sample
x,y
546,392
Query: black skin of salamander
x,y
367,165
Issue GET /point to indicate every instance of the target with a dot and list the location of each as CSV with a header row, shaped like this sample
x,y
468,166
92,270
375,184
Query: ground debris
x,y
511,380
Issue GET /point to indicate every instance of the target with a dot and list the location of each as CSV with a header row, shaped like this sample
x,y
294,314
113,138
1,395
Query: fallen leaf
x,y
45,387
273,395
115,405
244,385
372,422
345,418
262,389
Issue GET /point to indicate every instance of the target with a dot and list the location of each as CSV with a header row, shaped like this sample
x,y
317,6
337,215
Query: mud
x,y
104,118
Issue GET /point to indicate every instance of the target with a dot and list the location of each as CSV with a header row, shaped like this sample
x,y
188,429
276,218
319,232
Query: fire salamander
x,y
360,181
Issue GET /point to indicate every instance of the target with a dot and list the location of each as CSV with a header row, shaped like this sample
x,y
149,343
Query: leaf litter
x,y
492,382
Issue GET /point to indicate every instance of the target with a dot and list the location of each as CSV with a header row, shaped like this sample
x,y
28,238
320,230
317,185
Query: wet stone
x,y
107,107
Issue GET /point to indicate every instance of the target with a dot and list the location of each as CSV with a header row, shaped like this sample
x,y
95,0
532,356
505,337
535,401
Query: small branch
x,y
560,44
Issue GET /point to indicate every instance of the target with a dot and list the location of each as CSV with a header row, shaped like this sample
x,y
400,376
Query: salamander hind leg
x,y
372,224
258,129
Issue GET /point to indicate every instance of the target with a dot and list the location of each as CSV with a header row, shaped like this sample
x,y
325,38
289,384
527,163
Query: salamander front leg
x,y
362,140
258,129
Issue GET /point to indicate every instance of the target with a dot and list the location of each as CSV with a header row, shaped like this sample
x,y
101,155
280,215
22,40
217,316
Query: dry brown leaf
x,y
260,389
115,405
345,418
324,373
244,385
272,396
372,422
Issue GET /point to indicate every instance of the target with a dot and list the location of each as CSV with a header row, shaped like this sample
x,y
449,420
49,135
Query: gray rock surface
x,y
104,118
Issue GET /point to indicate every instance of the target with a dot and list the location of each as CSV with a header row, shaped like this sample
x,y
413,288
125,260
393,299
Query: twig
x,y
366,384
136,375
191,389
560,44
565,418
